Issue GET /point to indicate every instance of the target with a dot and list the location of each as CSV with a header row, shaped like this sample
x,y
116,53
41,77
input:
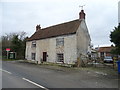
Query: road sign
x,y
7,49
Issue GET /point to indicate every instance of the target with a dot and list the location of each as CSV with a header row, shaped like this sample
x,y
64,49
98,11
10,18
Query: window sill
x,y
59,62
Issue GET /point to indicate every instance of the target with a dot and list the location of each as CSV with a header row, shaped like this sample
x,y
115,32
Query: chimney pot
x,y
38,27
82,15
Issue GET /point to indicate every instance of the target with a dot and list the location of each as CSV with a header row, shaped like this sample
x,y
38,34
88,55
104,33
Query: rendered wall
x,y
49,45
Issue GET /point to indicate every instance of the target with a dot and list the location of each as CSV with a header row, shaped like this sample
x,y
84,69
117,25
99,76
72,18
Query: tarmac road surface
x,y
26,75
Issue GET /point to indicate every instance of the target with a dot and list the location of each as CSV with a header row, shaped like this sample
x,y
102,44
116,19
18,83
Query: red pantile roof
x,y
56,30
105,49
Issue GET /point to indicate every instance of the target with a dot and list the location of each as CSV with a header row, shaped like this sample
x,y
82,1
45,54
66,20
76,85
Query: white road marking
x,y
26,80
6,71
35,83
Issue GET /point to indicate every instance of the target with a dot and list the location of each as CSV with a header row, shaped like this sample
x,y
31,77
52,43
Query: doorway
x,y
44,56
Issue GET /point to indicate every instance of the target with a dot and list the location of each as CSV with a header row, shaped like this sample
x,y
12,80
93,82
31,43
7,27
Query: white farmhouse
x,y
59,43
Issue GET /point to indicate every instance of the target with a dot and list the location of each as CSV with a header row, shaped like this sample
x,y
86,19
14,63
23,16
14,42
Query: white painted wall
x,y
29,50
46,45
70,49
83,39
73,45
49,45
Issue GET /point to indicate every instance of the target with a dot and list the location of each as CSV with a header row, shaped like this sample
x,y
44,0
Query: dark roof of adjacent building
x,y
105,49
56,30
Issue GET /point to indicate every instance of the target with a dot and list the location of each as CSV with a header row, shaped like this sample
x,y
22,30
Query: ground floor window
x,y
33,56
60,57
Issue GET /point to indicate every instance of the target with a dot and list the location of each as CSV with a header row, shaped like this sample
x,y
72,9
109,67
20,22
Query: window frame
x,y
60,57
59,41
33,44
33,56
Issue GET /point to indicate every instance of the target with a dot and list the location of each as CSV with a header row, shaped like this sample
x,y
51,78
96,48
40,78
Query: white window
x,y
33,56
60,57
60,42
34,44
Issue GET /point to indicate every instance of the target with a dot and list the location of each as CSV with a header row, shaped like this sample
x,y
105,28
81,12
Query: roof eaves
x,y
53,36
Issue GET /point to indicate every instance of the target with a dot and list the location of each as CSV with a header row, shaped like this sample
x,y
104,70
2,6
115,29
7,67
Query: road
x,y
25,75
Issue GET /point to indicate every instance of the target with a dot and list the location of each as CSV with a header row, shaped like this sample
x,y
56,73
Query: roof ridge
x,y
59,24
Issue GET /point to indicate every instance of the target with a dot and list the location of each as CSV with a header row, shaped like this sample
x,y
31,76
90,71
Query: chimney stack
x,y
38,27
82,15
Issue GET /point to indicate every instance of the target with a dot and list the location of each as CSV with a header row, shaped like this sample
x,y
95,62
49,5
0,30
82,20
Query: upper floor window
x,y
34,44
60,42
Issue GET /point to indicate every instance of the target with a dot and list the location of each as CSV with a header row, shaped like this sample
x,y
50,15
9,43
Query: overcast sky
x,y
24,15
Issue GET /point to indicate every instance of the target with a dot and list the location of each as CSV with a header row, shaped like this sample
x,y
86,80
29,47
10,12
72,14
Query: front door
x,y
44,56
